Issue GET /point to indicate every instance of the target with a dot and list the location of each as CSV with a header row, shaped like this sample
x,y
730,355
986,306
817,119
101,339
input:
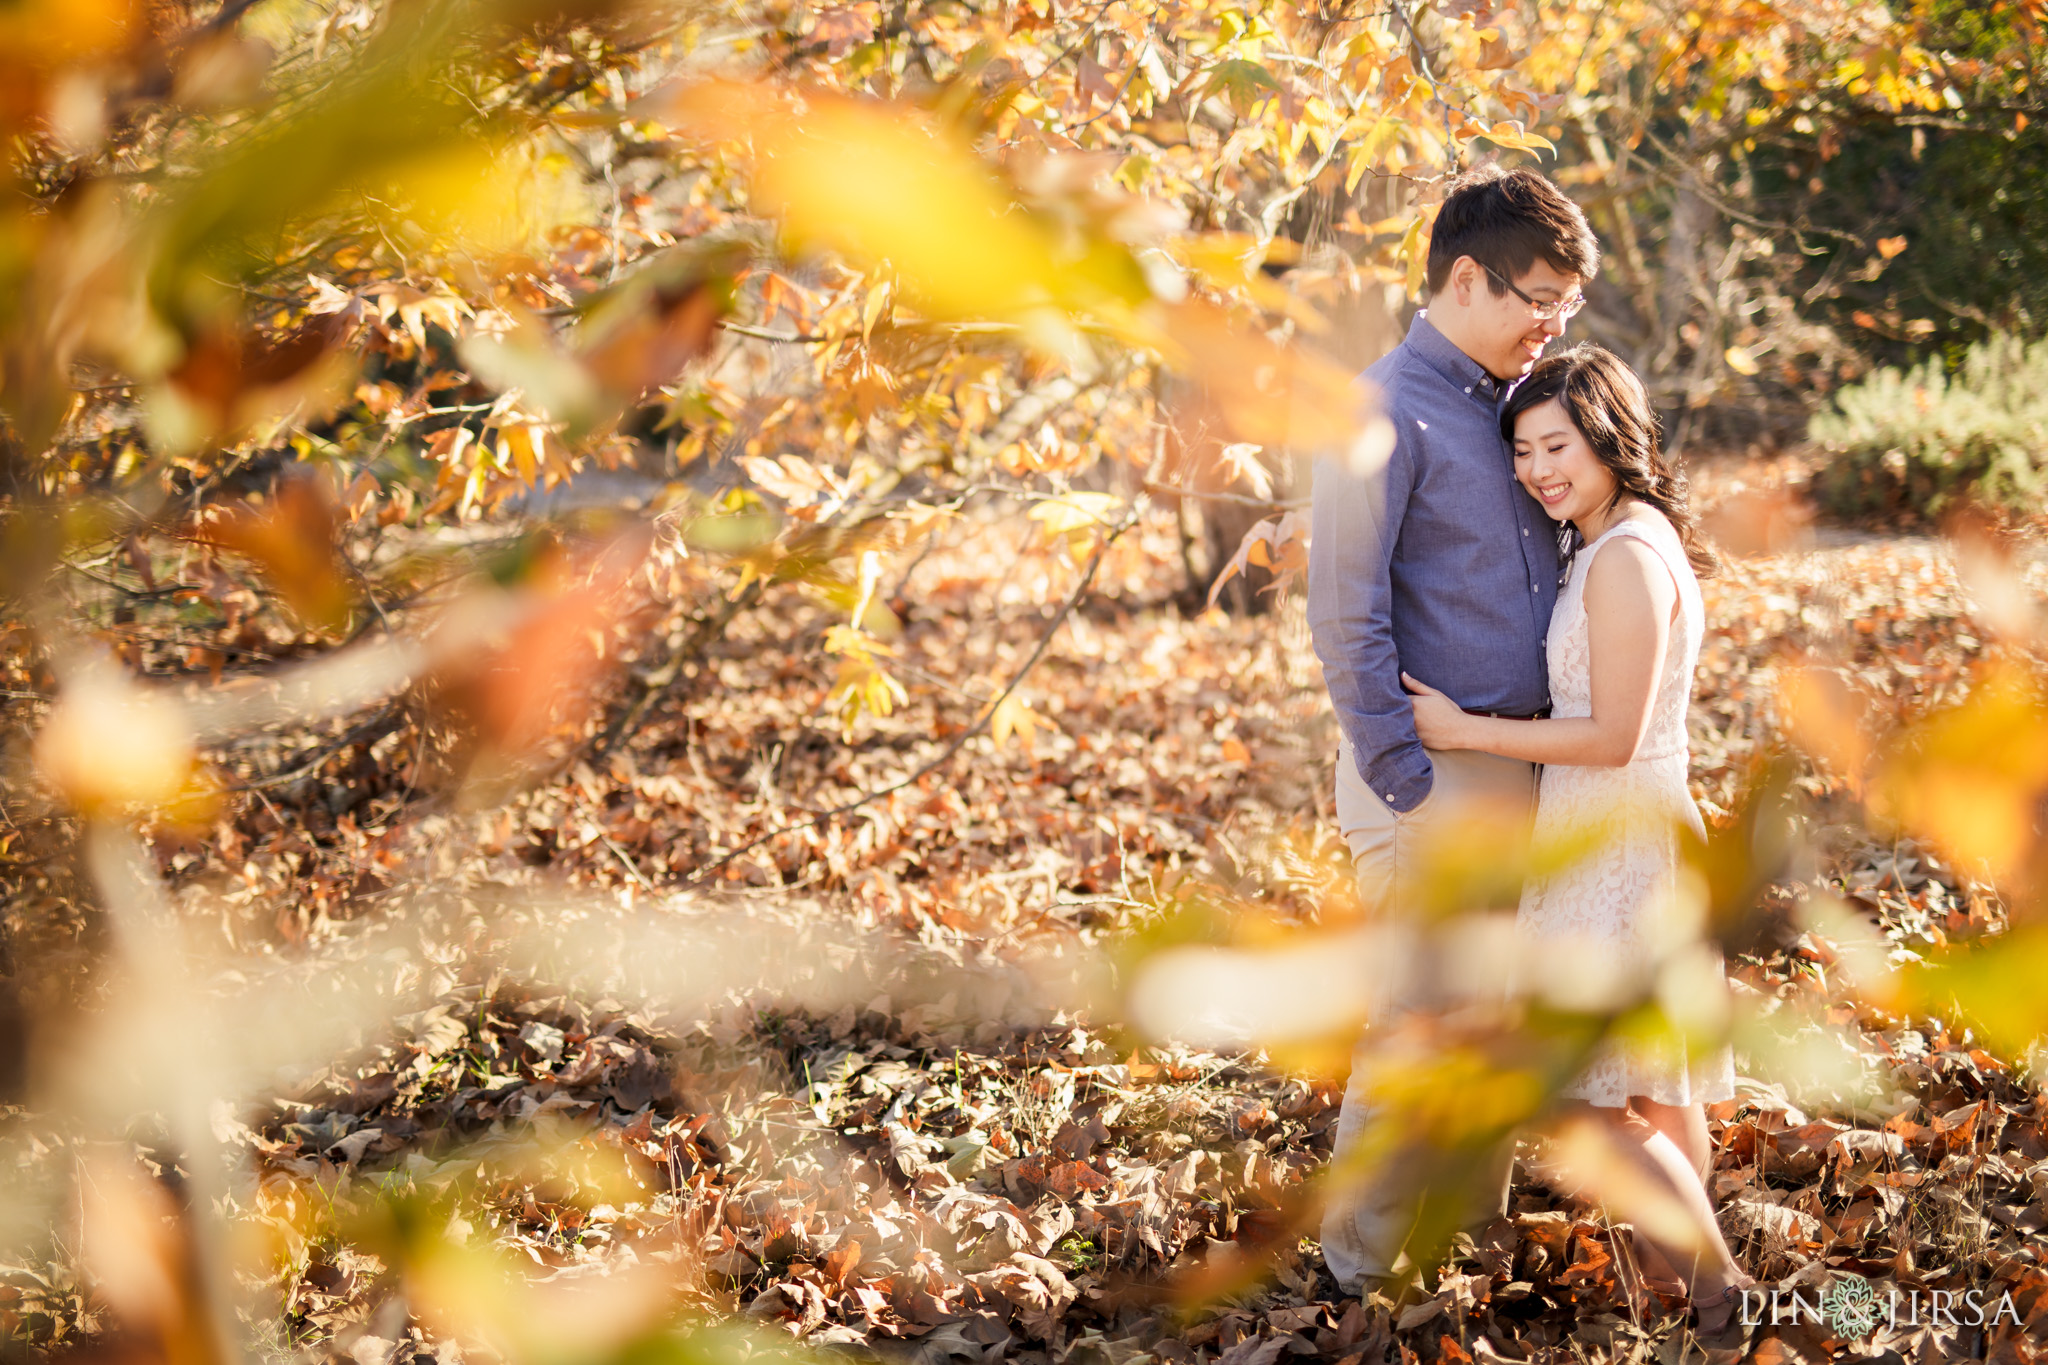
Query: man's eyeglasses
x,y
1544,310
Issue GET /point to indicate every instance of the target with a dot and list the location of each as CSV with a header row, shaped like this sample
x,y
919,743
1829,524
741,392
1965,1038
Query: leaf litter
x,y
887,1126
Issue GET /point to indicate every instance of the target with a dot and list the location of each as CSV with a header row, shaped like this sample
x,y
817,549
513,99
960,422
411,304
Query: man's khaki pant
x,y
1365,1227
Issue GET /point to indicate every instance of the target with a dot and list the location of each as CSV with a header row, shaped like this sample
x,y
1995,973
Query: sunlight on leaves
x,y
113,746
866,180
1996,986
1075,521
1829,719
1970,777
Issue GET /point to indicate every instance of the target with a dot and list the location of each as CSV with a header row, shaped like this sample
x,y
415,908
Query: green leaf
x,y
1243,83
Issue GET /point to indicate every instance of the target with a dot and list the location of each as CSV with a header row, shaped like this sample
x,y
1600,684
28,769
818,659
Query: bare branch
x,y
1239,499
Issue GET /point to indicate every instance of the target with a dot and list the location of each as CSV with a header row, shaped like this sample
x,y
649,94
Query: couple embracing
x,y
1508,616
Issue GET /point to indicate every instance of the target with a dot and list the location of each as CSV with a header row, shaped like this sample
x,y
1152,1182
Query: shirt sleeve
x,y
1354,524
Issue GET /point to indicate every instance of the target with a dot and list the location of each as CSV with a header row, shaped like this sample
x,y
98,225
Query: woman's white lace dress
x,y
1611,915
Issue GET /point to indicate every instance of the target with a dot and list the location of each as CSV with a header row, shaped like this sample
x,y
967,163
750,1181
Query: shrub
x,y
1924,440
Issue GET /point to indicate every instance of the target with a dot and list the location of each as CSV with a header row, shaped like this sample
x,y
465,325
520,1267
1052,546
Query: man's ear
x,y
1463,277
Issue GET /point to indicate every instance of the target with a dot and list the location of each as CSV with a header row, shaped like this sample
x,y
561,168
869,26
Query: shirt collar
x,y
1450,362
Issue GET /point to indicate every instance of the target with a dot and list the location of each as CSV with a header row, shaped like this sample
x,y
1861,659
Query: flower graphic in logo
x,y
1850,1305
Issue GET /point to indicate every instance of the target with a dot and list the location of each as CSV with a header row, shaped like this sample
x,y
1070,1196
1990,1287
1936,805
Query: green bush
x,y
1924,440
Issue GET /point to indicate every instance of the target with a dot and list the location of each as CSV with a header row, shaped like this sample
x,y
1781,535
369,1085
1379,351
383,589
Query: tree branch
x,y
1240,499
1118,97
387,719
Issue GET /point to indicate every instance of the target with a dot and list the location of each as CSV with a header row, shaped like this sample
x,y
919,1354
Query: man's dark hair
x,y
1506,220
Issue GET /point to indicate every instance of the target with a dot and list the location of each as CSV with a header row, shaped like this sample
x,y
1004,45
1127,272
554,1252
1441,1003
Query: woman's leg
x,y
1686,1126
1660,1164
1716,1275
1714,1267
1674,1122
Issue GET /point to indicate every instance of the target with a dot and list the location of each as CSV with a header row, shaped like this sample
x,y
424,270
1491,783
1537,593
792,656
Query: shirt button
x,y
1390,798
1532,587
1468,388
1525,530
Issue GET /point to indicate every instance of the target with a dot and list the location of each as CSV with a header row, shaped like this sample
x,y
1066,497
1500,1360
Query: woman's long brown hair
x,y
1608,404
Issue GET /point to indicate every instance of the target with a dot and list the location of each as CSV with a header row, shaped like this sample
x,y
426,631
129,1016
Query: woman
x,y
1624,640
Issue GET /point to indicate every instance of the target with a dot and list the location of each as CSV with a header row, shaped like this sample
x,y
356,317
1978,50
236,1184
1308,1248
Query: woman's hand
x,y
1438,720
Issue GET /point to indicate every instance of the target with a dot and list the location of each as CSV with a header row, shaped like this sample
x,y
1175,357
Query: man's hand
x,y
1439,723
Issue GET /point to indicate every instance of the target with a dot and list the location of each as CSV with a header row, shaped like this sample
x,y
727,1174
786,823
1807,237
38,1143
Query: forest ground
x,y
864,1086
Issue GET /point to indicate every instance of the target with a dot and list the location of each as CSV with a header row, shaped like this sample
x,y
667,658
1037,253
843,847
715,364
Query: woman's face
x,y
1557,465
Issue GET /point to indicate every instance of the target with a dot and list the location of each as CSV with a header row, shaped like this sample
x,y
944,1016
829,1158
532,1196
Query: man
x,y
1443,566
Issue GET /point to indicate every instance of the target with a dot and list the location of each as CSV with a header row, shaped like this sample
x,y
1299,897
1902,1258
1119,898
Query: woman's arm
x,y
1629,601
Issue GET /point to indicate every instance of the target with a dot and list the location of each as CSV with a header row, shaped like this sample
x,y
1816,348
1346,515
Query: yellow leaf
x,y
1279,543
1510,133
878,301
361,496
1224,259
854,641
753,564
1240,461
1996,984
1378,138
519,449
922,519
1014,716
473,488
1740,360
1970,778
1075,512
1416,253
807,491
1981,821
872,182
862,685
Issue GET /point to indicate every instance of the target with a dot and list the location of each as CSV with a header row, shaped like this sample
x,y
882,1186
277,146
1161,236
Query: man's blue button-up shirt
x,y
1440,564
